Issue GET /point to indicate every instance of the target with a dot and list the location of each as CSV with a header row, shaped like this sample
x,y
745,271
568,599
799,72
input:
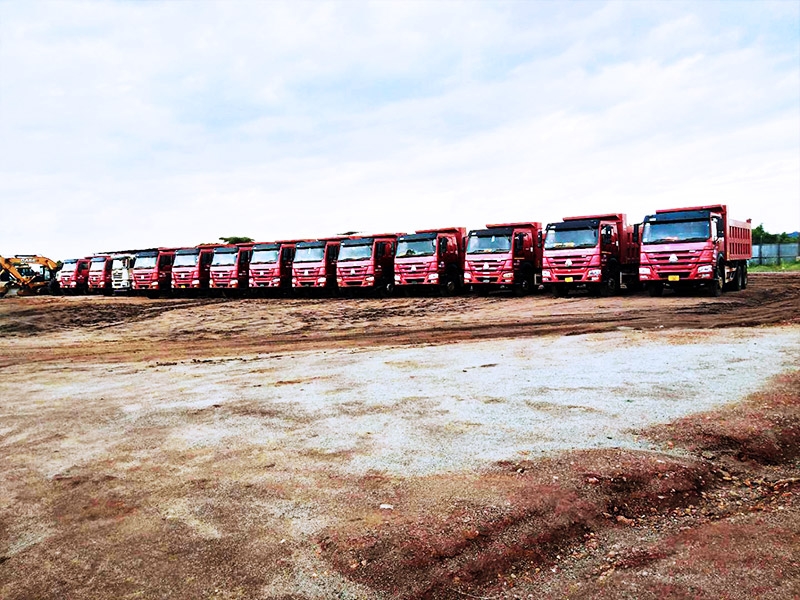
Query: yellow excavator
x,y
26,275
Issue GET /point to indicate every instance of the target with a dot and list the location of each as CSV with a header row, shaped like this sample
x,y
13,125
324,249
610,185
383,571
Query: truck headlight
x,y
594,272
433,277
546,274
705,269
467,277
644,270
508,276
397,278
321,280
369,278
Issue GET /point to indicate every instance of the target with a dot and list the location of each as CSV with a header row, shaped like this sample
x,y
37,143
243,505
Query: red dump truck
x,y
100,274
695,248
367,263
431,258
191,268
504,256
314,265
73,277
596,252
152,271
230,268
271,265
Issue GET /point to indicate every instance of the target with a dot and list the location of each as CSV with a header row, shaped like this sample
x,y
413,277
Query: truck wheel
x,y
610,286
736,284
450,286
744,275
386,289
656,289
719,281
525,285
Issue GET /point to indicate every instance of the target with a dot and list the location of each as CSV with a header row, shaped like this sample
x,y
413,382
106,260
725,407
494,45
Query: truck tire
x,y
525,285
610,285
656,290
449,286
718,284
736,284
744,275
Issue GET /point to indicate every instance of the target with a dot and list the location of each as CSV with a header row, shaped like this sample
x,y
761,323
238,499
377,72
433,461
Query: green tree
x,y
236,239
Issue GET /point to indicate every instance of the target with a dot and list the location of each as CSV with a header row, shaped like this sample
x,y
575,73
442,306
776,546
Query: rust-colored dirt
x,y
142,329
710,512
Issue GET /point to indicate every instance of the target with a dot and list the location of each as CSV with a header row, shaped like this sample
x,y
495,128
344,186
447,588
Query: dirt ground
x,y
467,447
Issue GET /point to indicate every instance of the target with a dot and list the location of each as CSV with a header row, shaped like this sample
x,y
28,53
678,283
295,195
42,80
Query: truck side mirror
x,y
539,239
636,233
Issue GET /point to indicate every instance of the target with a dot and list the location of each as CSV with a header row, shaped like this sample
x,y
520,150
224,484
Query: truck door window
x,y
607,232
519,243
719,230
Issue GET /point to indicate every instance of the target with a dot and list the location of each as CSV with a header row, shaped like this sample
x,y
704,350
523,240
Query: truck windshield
x,y
416,248
120,263
360,252
145,262
224,259
309,254
487,244
185,260
98,264
558,239
676,231
264,256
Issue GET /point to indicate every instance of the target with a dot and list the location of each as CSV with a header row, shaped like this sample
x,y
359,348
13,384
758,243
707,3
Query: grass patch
x,y
783,267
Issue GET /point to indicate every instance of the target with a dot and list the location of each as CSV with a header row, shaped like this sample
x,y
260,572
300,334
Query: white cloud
x,y
139,124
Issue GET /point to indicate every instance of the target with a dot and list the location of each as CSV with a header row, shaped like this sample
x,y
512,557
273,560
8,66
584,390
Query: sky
x,y
137,124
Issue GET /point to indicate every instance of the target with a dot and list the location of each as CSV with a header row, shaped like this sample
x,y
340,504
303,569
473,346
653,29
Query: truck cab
x,y
695,248
431,258
73,277
367,263
192,267
271,265
314,265
230,268
152,271
122,272
599,253
505,256
100,274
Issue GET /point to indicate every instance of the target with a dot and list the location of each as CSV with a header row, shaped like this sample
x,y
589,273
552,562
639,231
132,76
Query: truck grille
x,y
353,271
683,259
576,262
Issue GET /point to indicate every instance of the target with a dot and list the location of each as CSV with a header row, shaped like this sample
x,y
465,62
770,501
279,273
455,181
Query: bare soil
x,y
402,448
